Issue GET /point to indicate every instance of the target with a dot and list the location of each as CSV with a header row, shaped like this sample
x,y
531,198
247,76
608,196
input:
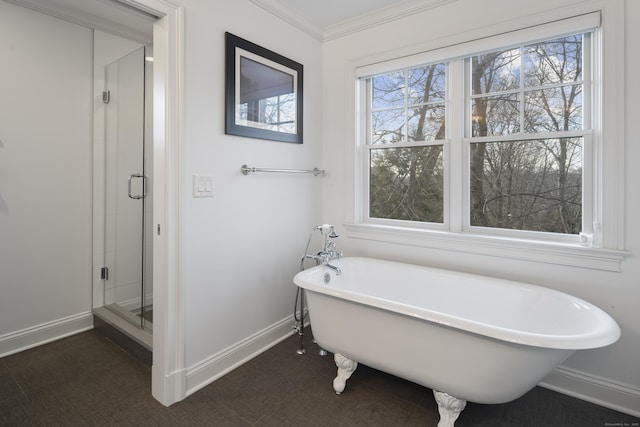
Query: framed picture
x,y
263,93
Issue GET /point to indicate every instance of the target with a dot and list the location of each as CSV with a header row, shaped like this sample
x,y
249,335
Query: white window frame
x,y
602,246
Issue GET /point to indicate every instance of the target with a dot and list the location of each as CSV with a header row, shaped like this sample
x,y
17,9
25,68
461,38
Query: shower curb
x,y
123,340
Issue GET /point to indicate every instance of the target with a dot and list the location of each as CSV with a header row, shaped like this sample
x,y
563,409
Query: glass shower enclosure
x,y
127,274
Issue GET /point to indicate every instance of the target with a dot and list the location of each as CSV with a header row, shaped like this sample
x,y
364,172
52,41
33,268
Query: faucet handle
x,y
334,254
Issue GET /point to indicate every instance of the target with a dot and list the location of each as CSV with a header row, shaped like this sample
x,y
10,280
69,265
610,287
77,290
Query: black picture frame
x,y
263,93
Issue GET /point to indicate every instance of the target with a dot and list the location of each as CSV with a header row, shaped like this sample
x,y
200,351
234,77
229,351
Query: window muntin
x,y
524,141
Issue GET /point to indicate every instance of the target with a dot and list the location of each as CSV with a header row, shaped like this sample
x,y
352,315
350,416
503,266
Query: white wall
x,y
241,248
45,178
610,375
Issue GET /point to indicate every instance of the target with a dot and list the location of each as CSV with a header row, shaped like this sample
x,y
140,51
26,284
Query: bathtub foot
x,y
449,408
346,367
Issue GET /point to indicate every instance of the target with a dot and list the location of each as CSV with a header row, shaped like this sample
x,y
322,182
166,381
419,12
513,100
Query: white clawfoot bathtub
x,y
466,337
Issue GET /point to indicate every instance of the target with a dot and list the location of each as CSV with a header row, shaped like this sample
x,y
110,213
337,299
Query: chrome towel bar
x,y
246,169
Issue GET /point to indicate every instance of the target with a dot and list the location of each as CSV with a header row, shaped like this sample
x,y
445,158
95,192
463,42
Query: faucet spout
x,y
334,268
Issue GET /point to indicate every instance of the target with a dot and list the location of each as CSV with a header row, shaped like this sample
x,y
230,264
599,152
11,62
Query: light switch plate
x,y
202,186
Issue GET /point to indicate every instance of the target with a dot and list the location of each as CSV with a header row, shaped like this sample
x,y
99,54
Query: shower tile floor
x,y
87,380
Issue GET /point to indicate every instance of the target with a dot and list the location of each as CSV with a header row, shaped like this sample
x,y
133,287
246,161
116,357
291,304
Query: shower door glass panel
x,y
127,289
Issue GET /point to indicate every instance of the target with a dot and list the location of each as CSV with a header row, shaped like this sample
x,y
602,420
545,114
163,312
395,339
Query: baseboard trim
x,y
172,388
34,336
214,367
594,389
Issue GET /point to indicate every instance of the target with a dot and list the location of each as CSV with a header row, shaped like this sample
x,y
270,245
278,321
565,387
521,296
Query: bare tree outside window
x,y
406,182
528,183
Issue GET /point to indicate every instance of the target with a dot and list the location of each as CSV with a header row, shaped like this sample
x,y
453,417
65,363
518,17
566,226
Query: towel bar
x,y
315,171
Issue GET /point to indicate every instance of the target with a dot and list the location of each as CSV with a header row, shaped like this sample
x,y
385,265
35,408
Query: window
x,y
518,152
507,144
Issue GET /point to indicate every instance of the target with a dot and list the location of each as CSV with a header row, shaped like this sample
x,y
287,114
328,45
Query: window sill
x,y
550,253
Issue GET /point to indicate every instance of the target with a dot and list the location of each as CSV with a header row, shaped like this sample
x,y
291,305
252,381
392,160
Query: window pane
x,y
495,115
552,110
528,185
553,62
406,183
388,90
427,84
278,112
495,72
426,123
388,126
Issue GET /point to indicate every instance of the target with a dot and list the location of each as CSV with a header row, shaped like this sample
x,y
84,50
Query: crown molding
x,y
380,16
349,26
278,9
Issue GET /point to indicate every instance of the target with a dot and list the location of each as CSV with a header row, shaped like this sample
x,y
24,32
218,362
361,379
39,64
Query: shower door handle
x,y
144,186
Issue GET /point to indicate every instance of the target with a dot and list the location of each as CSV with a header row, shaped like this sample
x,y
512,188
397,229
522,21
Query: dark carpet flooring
x,y
87,380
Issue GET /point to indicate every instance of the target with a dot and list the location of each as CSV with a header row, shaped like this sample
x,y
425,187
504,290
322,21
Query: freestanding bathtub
x,y
466,337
